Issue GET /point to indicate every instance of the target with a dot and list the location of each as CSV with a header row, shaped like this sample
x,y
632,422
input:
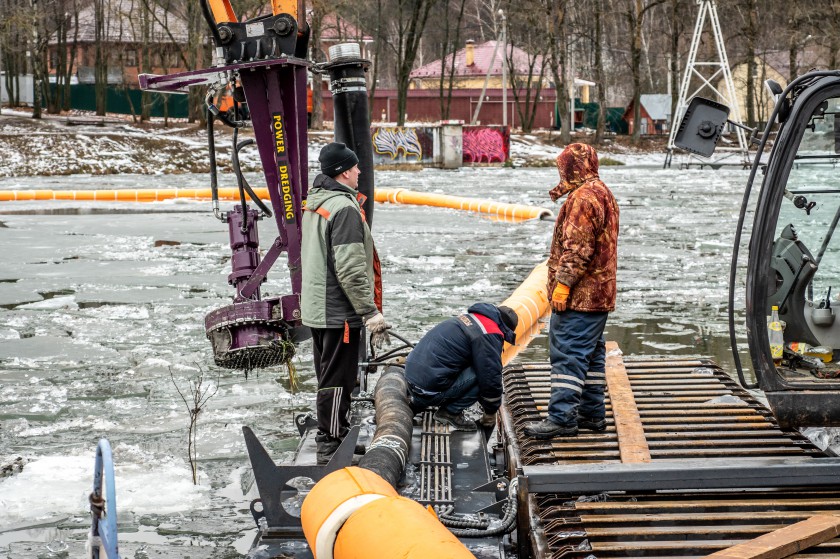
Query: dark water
x,y
97,324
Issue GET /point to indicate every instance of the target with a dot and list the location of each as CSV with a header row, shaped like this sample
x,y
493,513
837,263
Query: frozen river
x,y
99,311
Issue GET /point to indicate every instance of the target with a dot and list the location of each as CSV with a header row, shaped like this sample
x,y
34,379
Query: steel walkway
x,y
690,464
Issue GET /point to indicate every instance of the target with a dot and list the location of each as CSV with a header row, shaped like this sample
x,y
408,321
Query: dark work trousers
x,y
577,351
336,366
461,394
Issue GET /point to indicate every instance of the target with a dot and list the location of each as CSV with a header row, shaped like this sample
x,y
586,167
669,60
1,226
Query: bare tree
x,y
750,29
556,13
525,56
677,27
449,46
319,11
600,75
635,14
200,393
409,24
100,64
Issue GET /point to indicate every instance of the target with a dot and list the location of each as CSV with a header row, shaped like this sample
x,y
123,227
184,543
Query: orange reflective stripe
x,y
377,280
320,211
346,332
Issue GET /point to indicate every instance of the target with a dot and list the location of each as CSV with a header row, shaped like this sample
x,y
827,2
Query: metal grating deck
x,y
662,414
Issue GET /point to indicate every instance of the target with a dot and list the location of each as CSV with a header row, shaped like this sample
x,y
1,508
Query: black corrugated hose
x,y
507,524
387,453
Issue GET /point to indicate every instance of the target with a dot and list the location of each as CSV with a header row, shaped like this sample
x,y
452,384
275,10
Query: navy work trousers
x,y
460,395
578,357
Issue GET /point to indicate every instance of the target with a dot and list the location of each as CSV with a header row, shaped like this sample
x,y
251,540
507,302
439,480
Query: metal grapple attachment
x,y
253,334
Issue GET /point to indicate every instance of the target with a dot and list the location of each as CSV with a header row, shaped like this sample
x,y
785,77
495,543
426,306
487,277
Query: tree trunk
x,y
71,59
409,43
793,39
379,39
446,83
319,10
556,18
635,67
674,59
145,58
196,30
751,37
100,59
600,77
38,54
60,34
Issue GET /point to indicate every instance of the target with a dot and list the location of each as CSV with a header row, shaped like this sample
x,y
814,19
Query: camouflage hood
x,y
577,164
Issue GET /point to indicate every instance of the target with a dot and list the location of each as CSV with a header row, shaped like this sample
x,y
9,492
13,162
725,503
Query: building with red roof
x,y
472,64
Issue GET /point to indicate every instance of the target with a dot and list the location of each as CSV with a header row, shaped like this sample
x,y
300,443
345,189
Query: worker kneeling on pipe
x,y
459,363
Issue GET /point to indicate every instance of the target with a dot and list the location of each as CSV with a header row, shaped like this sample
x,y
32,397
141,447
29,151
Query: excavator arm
x,y
264,58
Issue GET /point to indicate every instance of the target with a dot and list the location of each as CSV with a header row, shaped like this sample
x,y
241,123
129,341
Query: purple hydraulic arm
x,y
252,332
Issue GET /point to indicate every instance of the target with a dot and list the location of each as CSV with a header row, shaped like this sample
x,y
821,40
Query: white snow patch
x,y
53,485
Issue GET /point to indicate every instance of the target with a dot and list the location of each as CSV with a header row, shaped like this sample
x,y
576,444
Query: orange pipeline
x,y
353,513
124,195
383,195
530,302
500,209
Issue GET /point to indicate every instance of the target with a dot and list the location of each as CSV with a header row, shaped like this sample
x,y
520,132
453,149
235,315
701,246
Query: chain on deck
x,y
684,410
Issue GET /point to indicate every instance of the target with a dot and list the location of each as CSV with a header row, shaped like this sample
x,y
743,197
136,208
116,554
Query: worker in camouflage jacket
x,y
342,289
582,288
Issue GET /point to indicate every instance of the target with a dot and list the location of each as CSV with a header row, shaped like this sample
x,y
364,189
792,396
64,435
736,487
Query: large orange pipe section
x,y
355,514
499,209
530,303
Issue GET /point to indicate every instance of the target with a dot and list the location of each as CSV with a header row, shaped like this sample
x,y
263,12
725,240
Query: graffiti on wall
x,y
486,144
400,144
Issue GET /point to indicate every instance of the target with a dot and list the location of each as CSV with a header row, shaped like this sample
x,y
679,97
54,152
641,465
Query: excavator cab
x,y
794,249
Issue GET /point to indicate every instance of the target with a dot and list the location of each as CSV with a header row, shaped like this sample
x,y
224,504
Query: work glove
x,y
559,297
488,419
378,329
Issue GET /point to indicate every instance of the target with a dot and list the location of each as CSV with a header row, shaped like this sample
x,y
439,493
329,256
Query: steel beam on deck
x,y
729,473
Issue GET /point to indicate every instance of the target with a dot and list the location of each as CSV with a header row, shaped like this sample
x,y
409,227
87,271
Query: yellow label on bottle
x,y
776,351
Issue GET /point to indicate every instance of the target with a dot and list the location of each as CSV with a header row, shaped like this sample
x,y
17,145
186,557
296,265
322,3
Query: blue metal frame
x,y
104,526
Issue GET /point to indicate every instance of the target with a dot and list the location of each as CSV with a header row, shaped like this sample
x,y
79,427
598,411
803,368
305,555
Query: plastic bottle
x,y
777,340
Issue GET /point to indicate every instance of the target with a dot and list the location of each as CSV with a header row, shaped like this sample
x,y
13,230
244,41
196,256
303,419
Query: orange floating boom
x,y
382,195
500,209
124,195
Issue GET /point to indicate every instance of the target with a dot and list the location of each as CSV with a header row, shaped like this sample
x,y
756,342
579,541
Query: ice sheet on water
x,y
60,485
66,302
664,346
9,334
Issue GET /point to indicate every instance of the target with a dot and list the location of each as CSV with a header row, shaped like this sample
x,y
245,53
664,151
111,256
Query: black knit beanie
x,y
336,158
509,317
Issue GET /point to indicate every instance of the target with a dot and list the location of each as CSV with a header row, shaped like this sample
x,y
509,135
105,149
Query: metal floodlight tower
x,y
720,65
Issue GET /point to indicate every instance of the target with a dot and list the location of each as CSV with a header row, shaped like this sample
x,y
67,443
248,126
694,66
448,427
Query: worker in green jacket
x,y
341,289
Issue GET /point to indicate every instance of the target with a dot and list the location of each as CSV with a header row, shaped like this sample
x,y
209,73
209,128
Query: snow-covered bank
x,y
51,147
